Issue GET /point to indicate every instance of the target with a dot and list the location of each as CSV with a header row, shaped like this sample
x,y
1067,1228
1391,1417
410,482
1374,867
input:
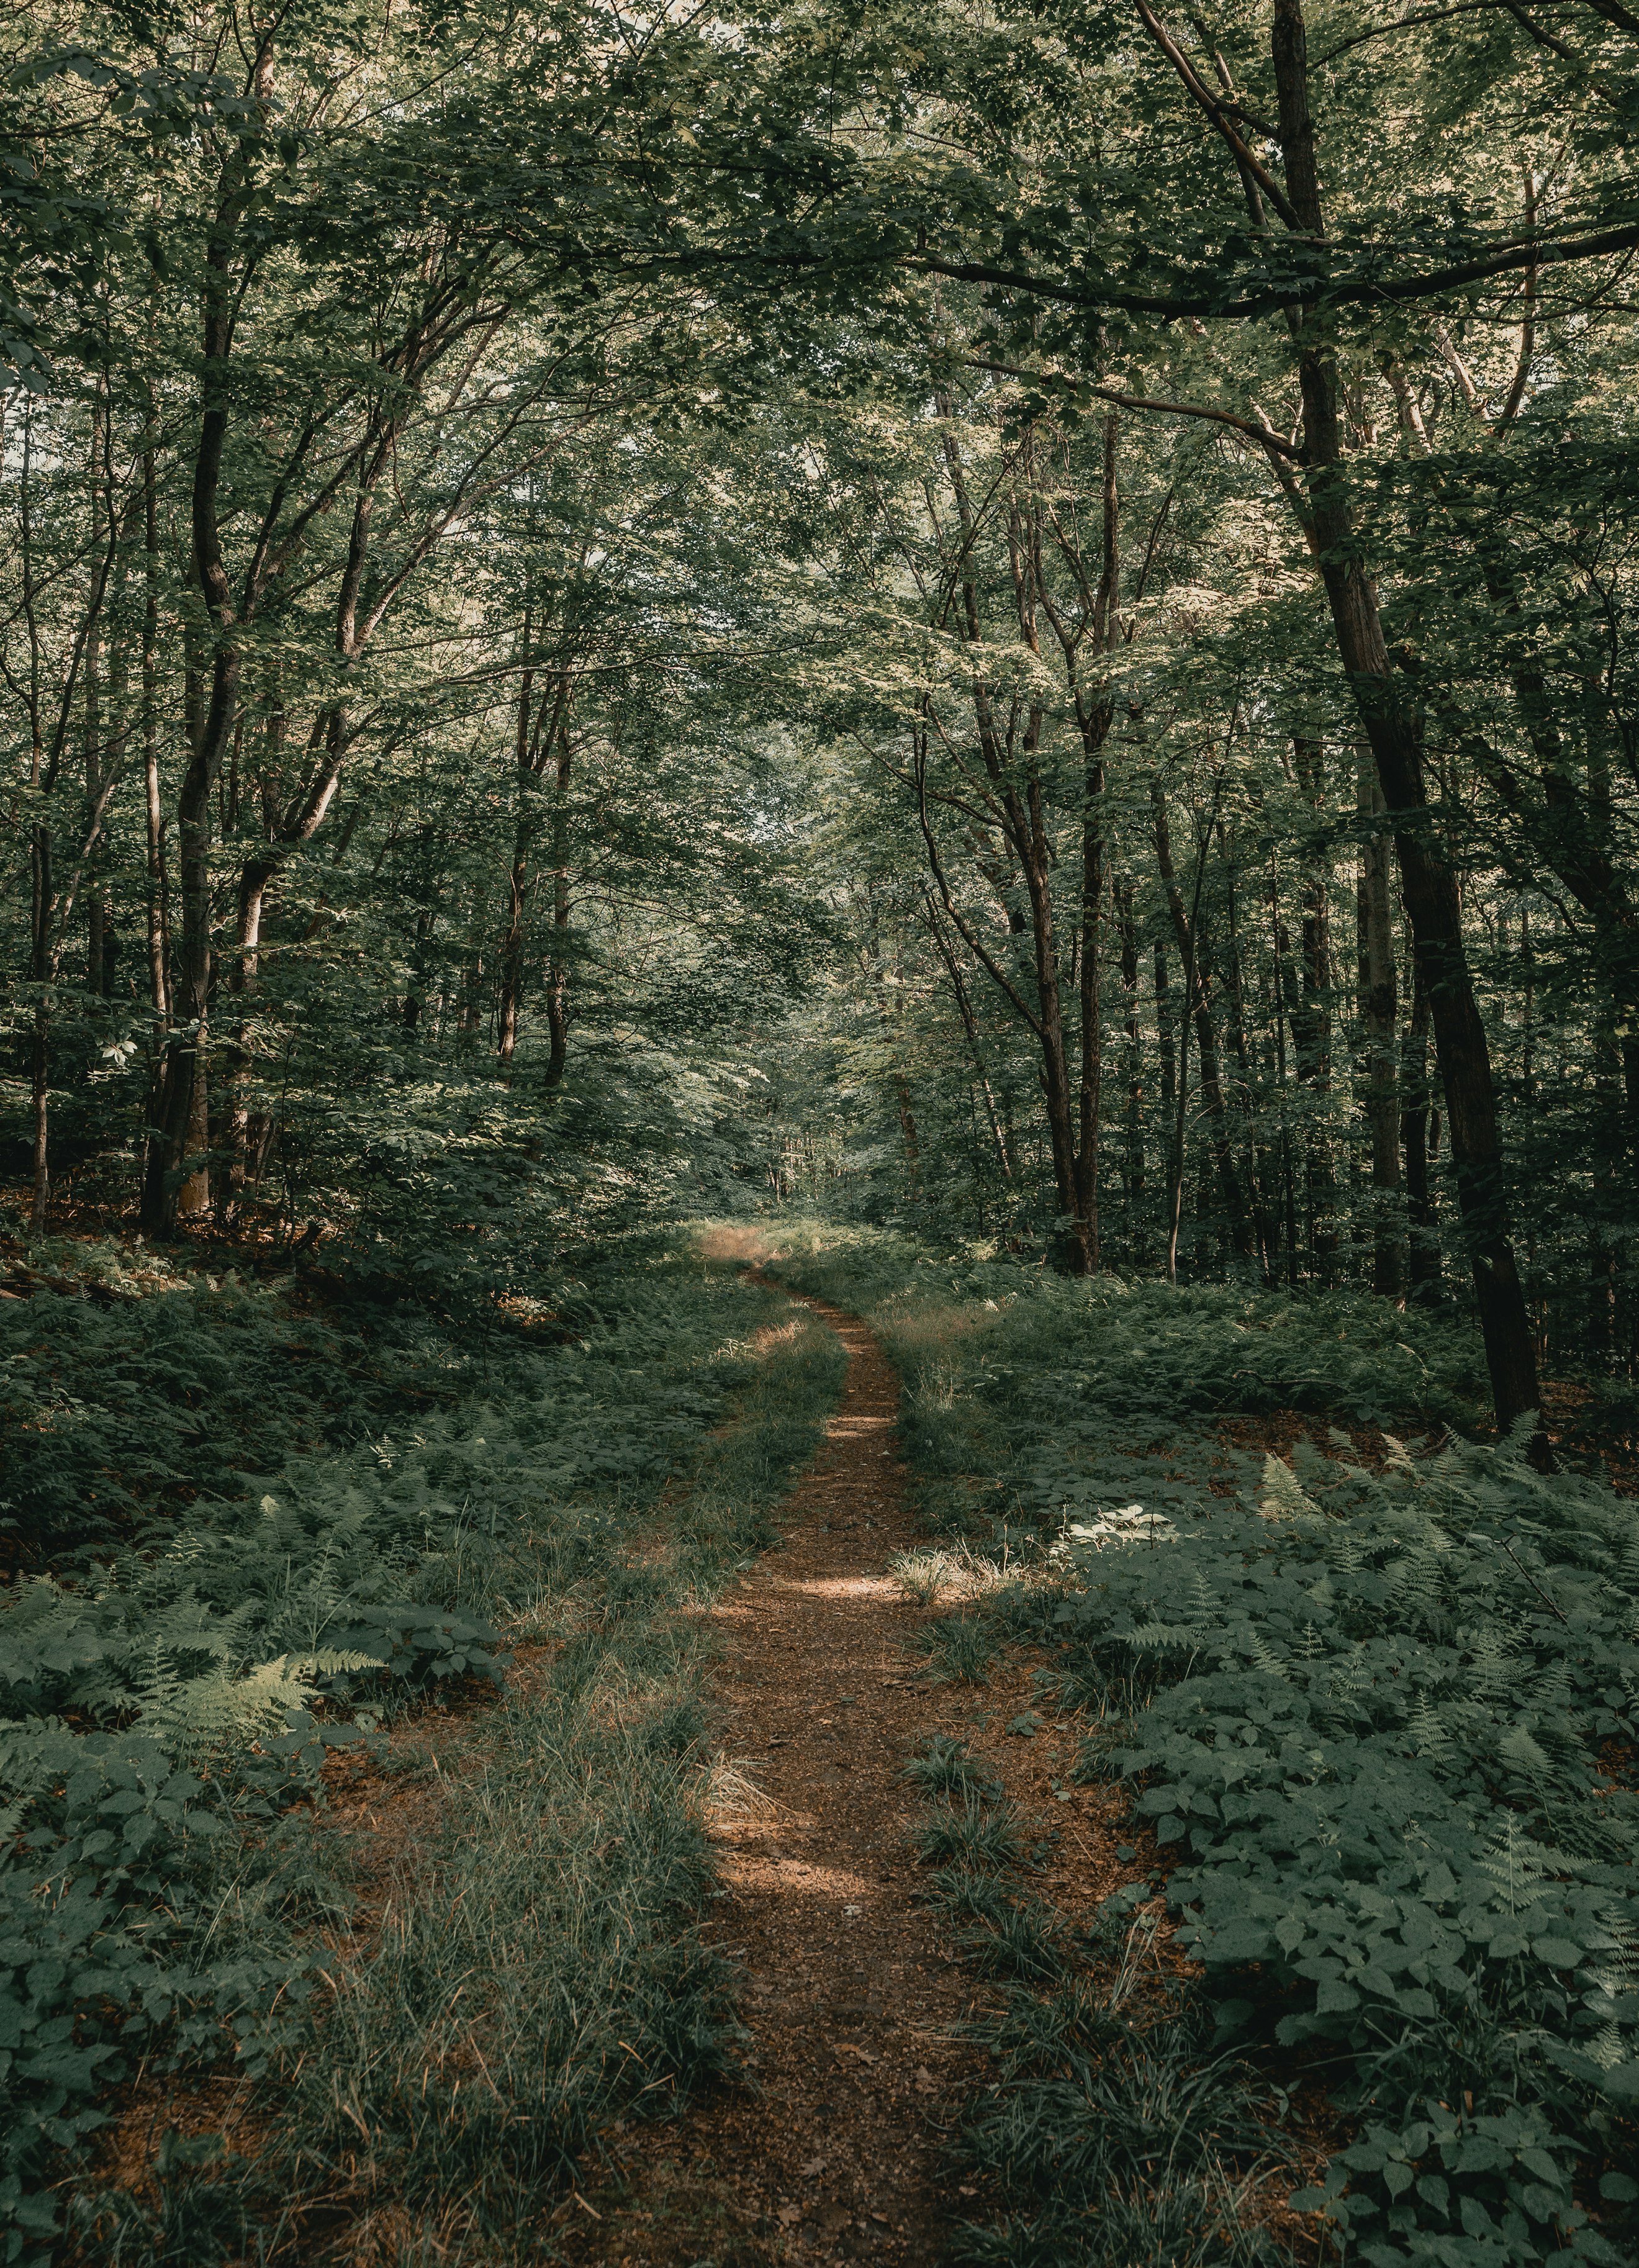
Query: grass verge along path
x,y
829,2148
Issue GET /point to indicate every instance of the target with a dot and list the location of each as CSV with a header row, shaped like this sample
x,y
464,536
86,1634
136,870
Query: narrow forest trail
x,y
829,2151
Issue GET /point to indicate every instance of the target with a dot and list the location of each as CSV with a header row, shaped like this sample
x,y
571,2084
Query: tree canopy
x,y
1025,611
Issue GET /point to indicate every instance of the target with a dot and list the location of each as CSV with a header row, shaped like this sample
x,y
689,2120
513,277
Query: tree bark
x,y
1133,1150
1431,895
558,965
1423,1242
518,872
1378,1009
1187,929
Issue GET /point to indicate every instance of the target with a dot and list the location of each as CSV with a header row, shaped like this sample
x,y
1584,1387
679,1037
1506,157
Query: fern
x,y
1283,1498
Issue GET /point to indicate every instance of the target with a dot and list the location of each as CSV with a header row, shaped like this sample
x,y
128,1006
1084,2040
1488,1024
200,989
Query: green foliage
x,y
129,1387
1109,2131
973,1834
944,1766
1110,2137
1372,1739
959,1646
170,1701
1375,1718
1031,1400
1026,1940
540,1967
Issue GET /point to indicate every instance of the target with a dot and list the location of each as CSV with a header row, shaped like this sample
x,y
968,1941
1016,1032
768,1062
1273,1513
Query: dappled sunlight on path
x,y
828,2151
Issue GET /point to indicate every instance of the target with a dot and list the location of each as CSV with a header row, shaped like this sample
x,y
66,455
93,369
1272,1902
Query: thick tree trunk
x,y
1431,896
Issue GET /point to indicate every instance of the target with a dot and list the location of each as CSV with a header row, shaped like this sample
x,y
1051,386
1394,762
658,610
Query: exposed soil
x,y
829,2148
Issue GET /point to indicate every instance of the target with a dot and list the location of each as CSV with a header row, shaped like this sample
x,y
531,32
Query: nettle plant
x,y
1375,1721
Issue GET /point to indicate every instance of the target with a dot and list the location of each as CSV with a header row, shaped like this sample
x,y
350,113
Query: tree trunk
x,y
1606,1210
975,1047
1133,1148
1431,896
1423,1256
1263,1226
1091,1023
1378,1008
1188,930
518,873
1312,1028
1167,1048
242,1136
557,966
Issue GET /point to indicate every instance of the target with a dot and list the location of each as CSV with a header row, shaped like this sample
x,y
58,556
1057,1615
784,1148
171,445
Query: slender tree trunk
x,y
1167,1046
213,719
1094,714
1312,1028
1606,1210
518,873
1378,1008
157,889
1091,1084
96,951
242,1134
1423,1242
1280,994
557,967
1263,1226
1027,835
975,1046
39,861
1133,1150
1186,929
1058,1091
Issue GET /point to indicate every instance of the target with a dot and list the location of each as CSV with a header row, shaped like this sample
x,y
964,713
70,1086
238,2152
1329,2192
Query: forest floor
x,y
854,2071
850,1991
878,2054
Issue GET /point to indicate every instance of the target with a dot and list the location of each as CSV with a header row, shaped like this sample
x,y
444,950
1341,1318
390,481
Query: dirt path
x,y
830,2152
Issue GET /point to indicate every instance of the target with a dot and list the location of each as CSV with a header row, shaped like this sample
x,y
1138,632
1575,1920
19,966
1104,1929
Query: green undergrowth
x,y
174,1901
1109,2131
1030,1396
1376,1724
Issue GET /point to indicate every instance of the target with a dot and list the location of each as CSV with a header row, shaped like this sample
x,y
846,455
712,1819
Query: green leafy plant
x,y
960,1648
973,1834
946,1766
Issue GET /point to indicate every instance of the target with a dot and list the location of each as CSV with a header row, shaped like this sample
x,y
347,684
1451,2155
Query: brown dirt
x,y
853,2075
829,2149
